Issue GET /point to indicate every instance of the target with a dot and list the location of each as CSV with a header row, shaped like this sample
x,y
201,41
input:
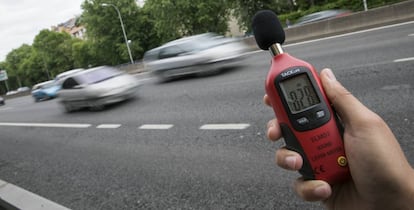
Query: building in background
x,y
234,28
71,27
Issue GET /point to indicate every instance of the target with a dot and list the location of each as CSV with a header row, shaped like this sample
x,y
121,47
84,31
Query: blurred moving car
x,y
62,76
23,89
322,15
49,89
12,92
2,101
201,53
45,90
96,87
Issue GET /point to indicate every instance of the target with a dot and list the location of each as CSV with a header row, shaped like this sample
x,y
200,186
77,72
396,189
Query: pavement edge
x,y
13,197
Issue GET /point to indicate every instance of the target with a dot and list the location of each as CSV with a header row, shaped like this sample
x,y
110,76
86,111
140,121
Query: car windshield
x,y
48,85
44,85
97,75
61,77
202,43
186,45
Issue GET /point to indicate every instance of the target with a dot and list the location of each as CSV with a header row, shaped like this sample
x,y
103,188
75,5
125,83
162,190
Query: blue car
x,y
45,90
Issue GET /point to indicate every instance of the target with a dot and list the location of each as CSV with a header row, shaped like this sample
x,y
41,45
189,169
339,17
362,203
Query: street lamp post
x,y
123,28
365,5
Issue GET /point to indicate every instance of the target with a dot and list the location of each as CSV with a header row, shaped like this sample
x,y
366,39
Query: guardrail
x,y
396,13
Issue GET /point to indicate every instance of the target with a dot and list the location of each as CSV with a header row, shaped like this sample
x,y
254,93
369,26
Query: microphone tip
x,y
267,29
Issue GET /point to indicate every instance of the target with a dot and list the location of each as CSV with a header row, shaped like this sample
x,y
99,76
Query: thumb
x,y
346,105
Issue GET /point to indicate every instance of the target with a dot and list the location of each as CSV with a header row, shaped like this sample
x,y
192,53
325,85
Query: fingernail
x,y
330,74
322,191
290,162
270,124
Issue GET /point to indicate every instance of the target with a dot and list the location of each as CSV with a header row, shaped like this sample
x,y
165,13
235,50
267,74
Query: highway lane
x,y
184,166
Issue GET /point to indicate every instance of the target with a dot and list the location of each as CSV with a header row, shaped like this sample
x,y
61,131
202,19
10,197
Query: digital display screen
x,y
299,93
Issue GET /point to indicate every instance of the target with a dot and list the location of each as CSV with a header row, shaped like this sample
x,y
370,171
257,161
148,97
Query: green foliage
x,y
55,50
50,54
176,18
14,67
244,10
105,33
82,52
33,71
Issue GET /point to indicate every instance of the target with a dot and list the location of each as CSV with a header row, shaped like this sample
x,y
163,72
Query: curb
x,y
13,197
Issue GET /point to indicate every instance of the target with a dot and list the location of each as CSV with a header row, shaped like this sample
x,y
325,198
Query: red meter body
x,y
308,122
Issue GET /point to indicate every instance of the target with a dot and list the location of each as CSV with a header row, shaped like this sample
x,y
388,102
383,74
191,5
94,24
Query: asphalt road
x,y
161,151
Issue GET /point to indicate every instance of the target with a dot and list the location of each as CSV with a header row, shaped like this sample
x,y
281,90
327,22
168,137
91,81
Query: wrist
x,y
410,190
407,192
399,195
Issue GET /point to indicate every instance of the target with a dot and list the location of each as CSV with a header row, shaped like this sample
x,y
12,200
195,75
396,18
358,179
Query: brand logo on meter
x,y
290,72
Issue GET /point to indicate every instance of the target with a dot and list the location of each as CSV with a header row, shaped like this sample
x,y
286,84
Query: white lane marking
x,y
410,34
404,59
225,126
109,126
50,125
20,198
397,87
156,126
5,108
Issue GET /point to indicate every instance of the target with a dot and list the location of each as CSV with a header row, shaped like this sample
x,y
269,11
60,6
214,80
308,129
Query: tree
x,y
83,54
32,69
15,68
177,18
244,10
104,30
55,51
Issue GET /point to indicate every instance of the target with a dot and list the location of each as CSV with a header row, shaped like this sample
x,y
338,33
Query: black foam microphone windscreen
x,y
267,29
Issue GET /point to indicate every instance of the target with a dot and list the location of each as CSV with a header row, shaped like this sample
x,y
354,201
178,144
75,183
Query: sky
x,y
22,20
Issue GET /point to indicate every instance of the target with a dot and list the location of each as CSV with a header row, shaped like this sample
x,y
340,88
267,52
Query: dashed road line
x,y
404,59
226,126
155,126
109,126
50,125
6,108
223,126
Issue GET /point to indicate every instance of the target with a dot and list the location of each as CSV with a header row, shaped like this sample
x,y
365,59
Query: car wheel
x,y
68,108
162,78
210,72
97,107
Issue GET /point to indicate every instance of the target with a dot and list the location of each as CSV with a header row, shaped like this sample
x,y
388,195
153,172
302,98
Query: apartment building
x,y
71,27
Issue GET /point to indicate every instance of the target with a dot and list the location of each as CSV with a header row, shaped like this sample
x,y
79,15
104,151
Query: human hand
x,y
382,178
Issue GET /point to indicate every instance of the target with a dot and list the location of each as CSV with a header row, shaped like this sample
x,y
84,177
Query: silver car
x,y
62,76
203,53
322,15
96,87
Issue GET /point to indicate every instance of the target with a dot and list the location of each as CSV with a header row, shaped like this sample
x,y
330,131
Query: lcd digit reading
x,y
299,93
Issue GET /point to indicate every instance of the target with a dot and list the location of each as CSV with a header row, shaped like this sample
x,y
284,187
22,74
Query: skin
x,y
382,178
